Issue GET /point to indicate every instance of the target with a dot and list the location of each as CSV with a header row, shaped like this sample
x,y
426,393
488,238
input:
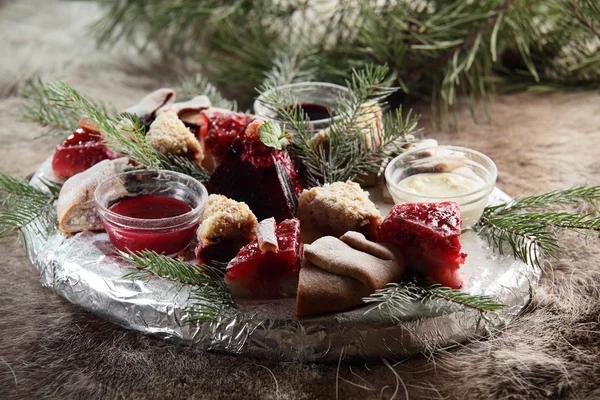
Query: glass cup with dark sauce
x,y
320,102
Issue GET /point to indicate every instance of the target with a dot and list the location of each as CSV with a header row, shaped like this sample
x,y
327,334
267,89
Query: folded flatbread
x,y
189,111
337,273
146,108
75,205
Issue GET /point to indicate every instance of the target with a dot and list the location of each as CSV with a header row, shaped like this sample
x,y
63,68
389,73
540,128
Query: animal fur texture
x,y
50,348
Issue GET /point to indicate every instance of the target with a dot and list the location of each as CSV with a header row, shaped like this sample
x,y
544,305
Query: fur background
x,y
50,348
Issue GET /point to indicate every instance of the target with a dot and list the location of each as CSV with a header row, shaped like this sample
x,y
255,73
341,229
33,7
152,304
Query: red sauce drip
x,y
149,206
168,241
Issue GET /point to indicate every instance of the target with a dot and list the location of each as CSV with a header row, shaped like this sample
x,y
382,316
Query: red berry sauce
x,y
151,207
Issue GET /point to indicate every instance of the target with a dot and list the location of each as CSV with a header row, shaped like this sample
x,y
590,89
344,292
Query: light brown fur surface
x,y
50,348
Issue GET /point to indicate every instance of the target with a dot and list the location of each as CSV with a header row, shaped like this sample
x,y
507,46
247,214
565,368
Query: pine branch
x,y
581,195
41,109
289,66
349,152
209,297
199,85
397,299
23,206
582,19
466,43
439,49
123,133
530,231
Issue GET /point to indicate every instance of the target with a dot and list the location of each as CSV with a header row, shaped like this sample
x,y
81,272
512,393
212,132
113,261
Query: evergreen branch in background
x,y
592,6
23,206
41,109
209,297
396,300
199,85
438,49
351,148
531,232
123,133
289,66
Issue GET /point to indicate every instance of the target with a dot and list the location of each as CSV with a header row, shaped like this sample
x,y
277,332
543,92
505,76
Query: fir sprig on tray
x,y
347,149
122,133
23,206
210,298
397,299
531,226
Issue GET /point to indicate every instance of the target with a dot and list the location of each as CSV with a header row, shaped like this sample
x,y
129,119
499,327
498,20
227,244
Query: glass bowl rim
x,y
300,84
152,223
485,189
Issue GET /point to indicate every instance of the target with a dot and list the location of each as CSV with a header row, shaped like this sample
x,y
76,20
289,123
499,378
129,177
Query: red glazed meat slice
x,y
80,151
428,236
258,274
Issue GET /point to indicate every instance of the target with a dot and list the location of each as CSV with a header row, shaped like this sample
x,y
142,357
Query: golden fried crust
x,y
169,135
226,219
337,208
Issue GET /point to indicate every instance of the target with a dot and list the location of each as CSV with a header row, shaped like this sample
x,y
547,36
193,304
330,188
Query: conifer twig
x,y
530,226
123,133
397,299
209,297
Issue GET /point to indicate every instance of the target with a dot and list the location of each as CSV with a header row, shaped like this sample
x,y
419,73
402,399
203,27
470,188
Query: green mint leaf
x,y
271,135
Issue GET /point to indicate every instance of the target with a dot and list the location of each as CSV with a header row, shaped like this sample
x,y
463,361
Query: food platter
x,y
85,271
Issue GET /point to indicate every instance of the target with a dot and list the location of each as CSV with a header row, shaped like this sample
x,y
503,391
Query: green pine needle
x,y
397,299
210,298
347,155
199,85
531,226
41,109
124,134
23,206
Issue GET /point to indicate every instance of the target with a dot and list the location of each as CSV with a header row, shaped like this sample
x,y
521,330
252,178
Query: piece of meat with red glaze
x,y
81,150
428,236
261,271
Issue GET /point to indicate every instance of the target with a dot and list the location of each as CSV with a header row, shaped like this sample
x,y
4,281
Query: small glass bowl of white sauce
x,y
443,173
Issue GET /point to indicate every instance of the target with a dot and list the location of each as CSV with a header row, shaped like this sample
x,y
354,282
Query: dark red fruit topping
x,y
268,274
428,236
262,177
220,130
81,150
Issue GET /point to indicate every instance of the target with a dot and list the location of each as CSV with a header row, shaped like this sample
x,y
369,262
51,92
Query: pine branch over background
x,y
200,85
531,226
438,50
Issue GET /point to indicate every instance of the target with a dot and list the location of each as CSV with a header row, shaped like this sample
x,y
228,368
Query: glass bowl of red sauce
x,y
151,210
320,102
